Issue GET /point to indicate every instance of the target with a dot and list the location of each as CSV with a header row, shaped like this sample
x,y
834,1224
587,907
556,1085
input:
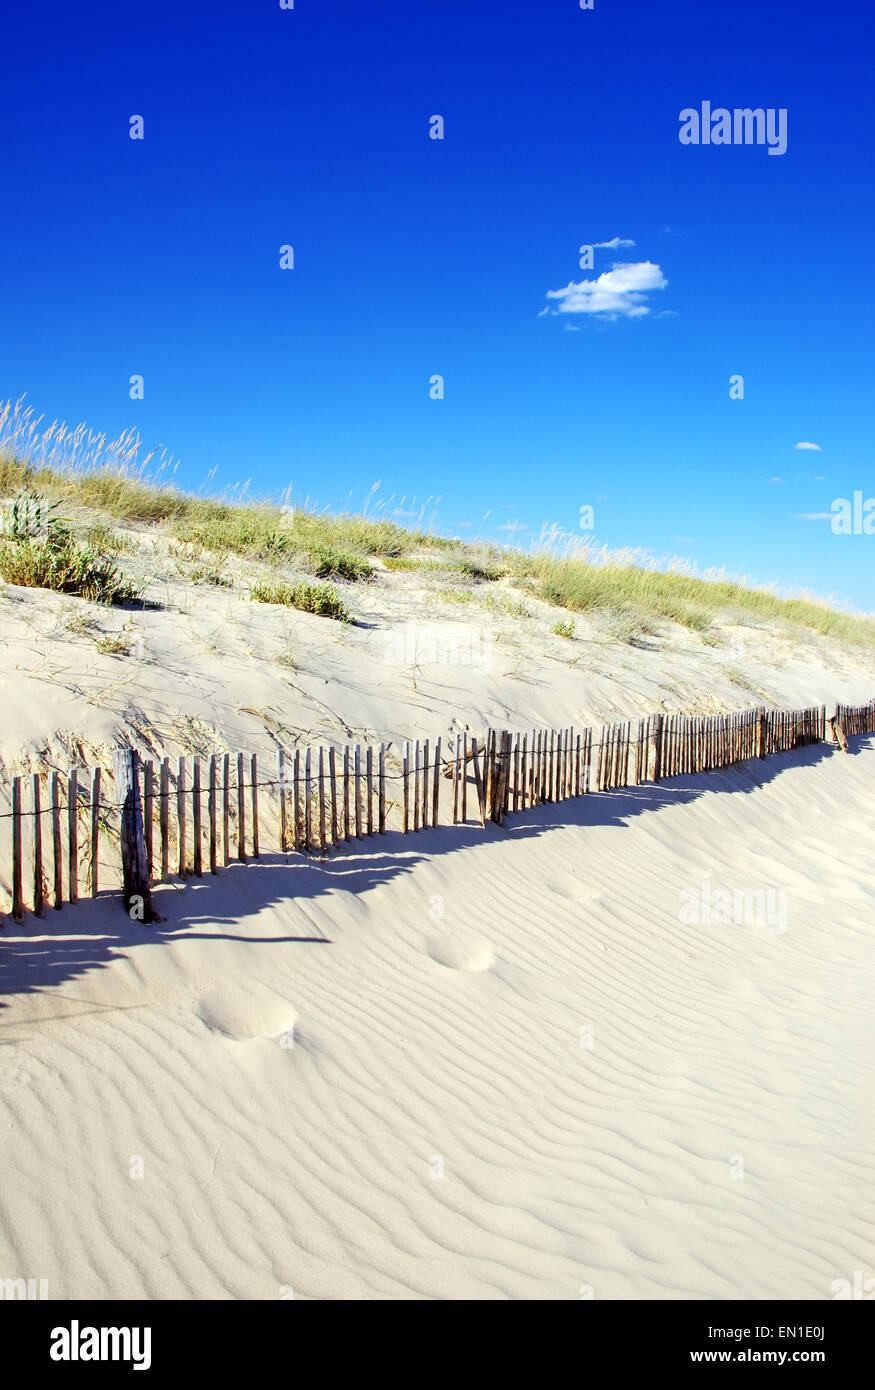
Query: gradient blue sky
x,y
413,257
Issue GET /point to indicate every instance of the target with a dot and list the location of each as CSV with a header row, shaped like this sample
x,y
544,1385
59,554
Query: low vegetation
x,y
38,551
625,598
322,599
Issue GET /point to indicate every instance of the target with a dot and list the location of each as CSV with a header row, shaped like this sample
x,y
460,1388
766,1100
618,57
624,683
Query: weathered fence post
x,y
478,782
73,836
95,831
38,885
436,785
281,792
17,894
57,856
136,888
838,732
656,738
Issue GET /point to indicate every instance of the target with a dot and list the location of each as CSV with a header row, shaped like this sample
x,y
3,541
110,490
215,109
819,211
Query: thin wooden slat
x,y
180,814
436,785
164,816
405,779
416,760
551,757
495,788
308,801
381,782
213,813
357,789
241,808
296,801
95,831
534,766
486,770
516,773
346,824
196,808
507,772
369,782
535,758
322,817
464,777
478,782
37,845
281,792
226,809
332,778
149,811
17,894
253,789
456,755
425,756
57,853
73,836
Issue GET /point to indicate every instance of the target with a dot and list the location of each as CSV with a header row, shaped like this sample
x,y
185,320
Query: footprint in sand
x,y
573,889
461,951
242,1017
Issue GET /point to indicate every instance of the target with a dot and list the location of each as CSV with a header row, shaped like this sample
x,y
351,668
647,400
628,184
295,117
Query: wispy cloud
x,y
618,293
803,444
814,516
614,244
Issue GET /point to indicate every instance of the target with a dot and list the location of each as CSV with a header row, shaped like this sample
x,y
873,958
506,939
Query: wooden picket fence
x,y
165,821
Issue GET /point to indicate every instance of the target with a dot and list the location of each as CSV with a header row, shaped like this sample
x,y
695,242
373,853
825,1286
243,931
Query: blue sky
x,y
416,257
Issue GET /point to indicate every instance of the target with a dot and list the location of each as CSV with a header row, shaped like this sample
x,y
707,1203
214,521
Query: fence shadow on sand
x,y
42,953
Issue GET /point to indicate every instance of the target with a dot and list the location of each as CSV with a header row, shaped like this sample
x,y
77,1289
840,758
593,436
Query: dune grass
x,y
63,566
321,599
627,597
694,602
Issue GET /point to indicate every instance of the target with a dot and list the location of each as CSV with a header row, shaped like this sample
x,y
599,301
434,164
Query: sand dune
x,y
464,1064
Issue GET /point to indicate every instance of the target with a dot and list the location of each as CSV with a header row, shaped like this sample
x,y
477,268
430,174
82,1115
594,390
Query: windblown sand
x,y
464,1064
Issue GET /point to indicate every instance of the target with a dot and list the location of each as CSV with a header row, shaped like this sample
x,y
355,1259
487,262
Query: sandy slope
x,y
436,989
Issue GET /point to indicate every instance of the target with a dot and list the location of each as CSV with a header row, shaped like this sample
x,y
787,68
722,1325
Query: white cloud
x,y
614,244
619,292
814,516
777,480
805,445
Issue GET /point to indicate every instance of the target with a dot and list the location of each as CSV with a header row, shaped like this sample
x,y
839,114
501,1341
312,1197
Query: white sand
x,y
437,988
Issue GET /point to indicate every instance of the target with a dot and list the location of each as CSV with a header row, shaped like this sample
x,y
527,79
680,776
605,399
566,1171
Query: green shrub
x,y
322,599
329,562
564,628
479,569
102,538
65,568
205,574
